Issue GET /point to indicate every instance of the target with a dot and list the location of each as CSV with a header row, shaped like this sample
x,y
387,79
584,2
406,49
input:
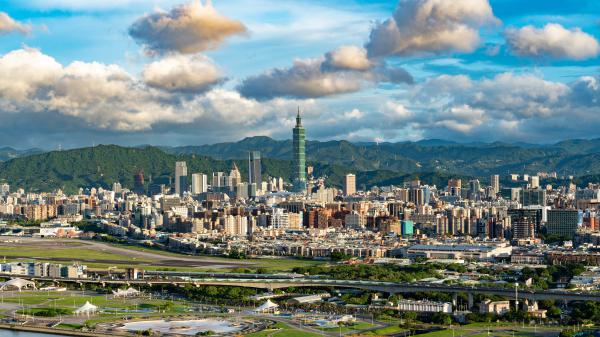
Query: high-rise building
x,y
299,168
254,168
180,177
495,183
523,227
564,222
138,183
454,187
350,184
199,183
534,181
533,197
218,180
235,177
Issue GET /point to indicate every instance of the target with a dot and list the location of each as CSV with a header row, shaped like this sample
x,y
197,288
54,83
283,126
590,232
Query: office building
x,y
180,177
563,222
350,184
235,177
511,193
407,228
533,197
534,181
495,183
139,183
254,168
424,306
454,187
199,183
523,228
299,145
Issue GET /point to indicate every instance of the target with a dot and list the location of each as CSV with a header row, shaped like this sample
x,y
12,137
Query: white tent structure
x,y
267,308
17,283
86,309
126,293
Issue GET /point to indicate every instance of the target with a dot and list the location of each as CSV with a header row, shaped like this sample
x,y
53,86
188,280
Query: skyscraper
x,y
495,183
180,177
199,183
138,185
235,177
299,156
254,168
350,184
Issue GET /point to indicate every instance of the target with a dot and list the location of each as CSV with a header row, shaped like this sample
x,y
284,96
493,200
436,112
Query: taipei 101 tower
x,y
299,168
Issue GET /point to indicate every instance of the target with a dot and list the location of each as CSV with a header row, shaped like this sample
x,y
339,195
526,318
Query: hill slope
x,y
103,165
574,157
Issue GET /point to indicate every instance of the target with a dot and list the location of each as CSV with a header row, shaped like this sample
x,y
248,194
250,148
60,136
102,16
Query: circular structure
x,y
187,327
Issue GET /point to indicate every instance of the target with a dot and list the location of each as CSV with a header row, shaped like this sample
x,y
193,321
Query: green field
x,y
71,251
347,328
496,330
389,330
282,330
65,301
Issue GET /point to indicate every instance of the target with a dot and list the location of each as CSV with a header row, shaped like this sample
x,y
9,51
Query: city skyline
x,y
501,71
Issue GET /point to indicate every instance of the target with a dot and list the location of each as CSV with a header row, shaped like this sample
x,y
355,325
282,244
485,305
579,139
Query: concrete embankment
x,y
46,330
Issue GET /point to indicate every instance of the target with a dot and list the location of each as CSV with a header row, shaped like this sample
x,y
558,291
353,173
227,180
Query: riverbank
x,y
52,331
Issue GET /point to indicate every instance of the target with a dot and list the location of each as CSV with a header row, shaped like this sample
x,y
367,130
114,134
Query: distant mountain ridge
x,y
433,161
8,153
570,157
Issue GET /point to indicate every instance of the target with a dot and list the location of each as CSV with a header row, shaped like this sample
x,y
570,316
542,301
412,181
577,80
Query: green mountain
x,y
8,153
572,157
103,165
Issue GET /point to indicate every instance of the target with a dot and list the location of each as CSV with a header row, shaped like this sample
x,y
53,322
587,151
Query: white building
x,y
280,218
425,306
199,183
479,252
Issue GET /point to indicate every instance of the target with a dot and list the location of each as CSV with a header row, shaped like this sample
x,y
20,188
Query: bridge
x,y
377,286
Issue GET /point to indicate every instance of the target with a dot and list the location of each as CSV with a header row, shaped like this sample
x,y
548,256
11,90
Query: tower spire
x,y
298,118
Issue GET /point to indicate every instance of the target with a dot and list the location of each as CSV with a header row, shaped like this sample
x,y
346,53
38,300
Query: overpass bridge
x,y
378,286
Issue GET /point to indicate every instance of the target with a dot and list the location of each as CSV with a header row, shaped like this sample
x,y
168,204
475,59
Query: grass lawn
x,y
93,257
504,329
351,327
65,301
76,254
282,330
389,330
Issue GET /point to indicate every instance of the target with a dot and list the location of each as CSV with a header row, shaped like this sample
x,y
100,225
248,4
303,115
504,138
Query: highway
x,y
379,286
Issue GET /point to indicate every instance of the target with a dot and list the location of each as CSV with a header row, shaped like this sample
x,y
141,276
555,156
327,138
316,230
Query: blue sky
x,y
508,83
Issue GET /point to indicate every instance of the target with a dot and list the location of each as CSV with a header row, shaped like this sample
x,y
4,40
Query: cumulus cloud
x,y
430,26
188,29
349,58
183,73
10,25
106,99
507,106
553,40
341,71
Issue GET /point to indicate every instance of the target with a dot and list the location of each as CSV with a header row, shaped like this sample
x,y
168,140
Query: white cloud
x,y
105,98
553,40
187,29
10,25
348,57
183,73
430,26
343,70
